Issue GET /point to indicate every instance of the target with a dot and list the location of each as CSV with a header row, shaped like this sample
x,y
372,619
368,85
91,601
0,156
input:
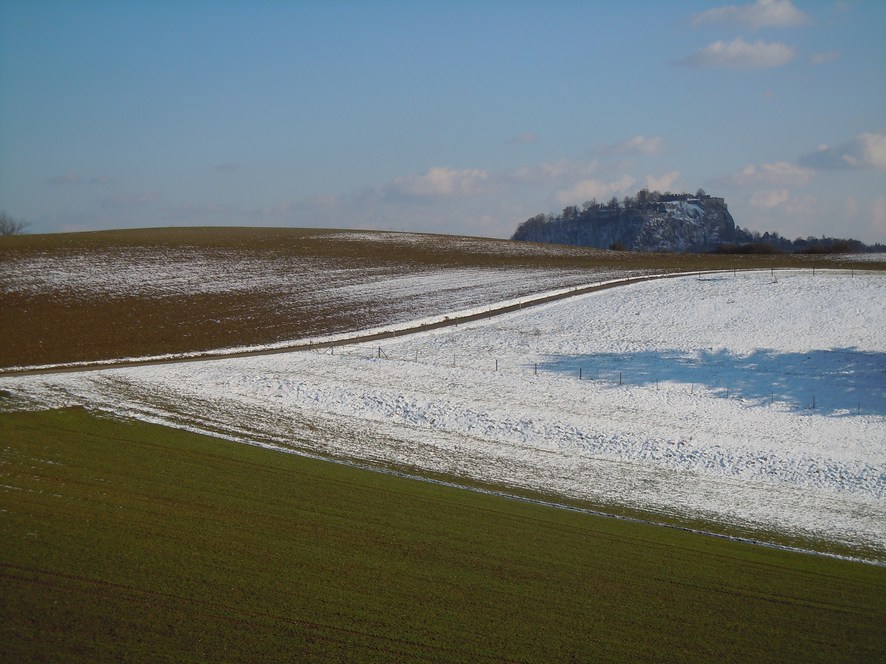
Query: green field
x,y
123,540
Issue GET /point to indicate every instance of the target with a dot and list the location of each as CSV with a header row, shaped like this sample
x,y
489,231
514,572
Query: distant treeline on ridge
x,y
655,221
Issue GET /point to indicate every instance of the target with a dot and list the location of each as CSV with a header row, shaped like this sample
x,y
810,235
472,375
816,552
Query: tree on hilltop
x,y
9,225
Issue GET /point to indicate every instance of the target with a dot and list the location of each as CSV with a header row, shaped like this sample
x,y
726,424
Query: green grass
x,y
123,540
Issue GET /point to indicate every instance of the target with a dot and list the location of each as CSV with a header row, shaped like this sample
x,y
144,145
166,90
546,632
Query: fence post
x,y
579,373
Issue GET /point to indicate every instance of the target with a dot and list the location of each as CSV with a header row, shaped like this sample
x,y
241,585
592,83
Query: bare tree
x,y
9,225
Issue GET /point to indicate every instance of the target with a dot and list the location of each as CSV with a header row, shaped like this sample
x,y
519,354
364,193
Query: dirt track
x,y
356,338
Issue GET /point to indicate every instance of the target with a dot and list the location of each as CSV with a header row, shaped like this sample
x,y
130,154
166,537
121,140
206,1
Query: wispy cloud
x,y
779,173
636,145
585,190
555,172
878,216
441,181
770,198
824,57
760,14
867,150
739,54
524,138
662,182
228,167
131,200
75,179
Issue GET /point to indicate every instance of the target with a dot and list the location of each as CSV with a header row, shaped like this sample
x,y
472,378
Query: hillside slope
x,y
75,297
93,296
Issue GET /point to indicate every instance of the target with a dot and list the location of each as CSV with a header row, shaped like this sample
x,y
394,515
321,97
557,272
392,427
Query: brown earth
x,y
57,324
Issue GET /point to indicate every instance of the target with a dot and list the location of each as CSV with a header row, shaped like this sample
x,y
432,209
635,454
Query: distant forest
x,y
768,243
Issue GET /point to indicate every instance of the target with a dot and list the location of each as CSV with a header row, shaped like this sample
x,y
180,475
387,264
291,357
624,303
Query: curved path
x,y
355,338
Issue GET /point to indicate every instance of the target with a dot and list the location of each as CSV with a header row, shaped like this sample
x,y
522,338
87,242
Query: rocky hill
x,y
648,222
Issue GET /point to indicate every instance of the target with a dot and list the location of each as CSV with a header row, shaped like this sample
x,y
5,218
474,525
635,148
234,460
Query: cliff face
x,y
684,223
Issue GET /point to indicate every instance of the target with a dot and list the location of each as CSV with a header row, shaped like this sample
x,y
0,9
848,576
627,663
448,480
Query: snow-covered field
x,y
757,400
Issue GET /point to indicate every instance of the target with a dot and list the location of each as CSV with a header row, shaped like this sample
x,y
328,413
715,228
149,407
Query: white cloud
x,y
74,178
555,171
739,54
638,144
441,181
662,182
777,173
67,178
770,199
131,200
585,190
761,14
867,150
823,57
873,148
523,138
878,217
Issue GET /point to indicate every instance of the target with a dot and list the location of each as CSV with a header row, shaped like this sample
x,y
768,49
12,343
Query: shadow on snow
x,y
840,381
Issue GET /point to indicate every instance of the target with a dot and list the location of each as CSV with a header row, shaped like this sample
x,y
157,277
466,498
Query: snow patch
x,y
752,400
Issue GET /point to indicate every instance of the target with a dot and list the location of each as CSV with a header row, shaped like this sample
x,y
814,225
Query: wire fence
x,y
826,393
787,381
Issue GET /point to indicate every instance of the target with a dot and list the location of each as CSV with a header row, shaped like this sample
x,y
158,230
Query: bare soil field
x,y
80,297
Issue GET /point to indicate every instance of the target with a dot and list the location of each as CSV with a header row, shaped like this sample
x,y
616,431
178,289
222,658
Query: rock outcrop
x,y
649,222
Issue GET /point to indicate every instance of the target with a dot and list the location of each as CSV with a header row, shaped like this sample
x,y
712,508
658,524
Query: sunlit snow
x,y
756,399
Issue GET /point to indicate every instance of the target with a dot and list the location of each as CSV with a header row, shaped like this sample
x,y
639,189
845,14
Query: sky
x,y
445,117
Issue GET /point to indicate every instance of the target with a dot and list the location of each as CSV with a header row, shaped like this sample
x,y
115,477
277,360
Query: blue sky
x,y
450,117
